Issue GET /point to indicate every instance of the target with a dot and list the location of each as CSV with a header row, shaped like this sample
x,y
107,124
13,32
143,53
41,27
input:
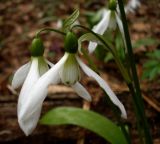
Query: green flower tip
x,y
112,5
71,43
37,47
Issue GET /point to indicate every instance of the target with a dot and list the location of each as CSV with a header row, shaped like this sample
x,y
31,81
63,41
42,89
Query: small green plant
x,y
152,65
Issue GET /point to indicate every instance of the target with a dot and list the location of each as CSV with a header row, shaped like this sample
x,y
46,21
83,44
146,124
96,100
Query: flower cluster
x,y
110,18
36,77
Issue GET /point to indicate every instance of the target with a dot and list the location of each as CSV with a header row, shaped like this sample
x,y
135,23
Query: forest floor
x,y
20,19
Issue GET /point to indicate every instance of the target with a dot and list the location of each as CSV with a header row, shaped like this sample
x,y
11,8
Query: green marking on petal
x,y
42,65
70,72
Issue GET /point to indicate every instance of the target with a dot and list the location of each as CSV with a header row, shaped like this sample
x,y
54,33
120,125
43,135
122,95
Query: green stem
x,y
49,29
138,97
136,109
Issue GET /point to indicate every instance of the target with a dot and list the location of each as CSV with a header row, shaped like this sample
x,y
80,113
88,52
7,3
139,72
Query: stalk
x,y
137,97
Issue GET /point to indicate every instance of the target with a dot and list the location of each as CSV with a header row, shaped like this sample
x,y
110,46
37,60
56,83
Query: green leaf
x,y
153,73
108,57
151,63
86,119
69,21
154,55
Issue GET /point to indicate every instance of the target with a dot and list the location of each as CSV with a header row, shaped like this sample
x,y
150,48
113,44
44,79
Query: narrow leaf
x,y
86,119
69,21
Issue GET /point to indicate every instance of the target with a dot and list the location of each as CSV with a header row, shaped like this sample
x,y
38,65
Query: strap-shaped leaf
x,y
69,21
86,119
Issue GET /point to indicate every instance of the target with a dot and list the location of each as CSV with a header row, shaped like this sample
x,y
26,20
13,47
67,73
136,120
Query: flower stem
x,y
137,96
49,29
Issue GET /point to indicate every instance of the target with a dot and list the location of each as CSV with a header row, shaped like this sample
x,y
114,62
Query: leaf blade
x,y
86,119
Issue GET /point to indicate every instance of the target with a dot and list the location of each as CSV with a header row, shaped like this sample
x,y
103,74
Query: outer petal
x,y
104,85
100,28
32,107
49,63
132,5
31,79
91,47
20,75
120,25
29,124
81,91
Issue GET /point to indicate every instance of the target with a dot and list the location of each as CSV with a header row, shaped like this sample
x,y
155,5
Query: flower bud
x,y
112,5
71,43
37,47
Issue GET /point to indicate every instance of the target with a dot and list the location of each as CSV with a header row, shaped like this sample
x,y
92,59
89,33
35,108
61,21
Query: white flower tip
x,y
92,46
124,116
123,113
88,98
14,85
26,128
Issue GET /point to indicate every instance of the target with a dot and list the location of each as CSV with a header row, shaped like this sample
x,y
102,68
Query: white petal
x,y
49,63
132,5
112,22
120,25
100,28
81,91
119,22
29,124
91,47
33,104
31,79
104,85
20,75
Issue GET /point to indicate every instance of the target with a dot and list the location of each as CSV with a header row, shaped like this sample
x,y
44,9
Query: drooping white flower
x,y
132,5
110,20
27,75
67,71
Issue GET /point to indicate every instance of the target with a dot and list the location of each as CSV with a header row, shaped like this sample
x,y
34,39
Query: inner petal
x,y
70,72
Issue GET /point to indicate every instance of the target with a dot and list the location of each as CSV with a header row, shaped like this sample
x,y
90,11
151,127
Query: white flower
x,y
27,75
132,5
67,71
110,20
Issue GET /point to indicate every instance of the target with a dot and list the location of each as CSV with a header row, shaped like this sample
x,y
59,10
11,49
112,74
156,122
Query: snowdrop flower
x,y
132,5
67,71
110,20
28,74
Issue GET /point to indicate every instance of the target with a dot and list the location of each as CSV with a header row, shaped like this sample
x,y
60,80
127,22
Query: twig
x,y
153,103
